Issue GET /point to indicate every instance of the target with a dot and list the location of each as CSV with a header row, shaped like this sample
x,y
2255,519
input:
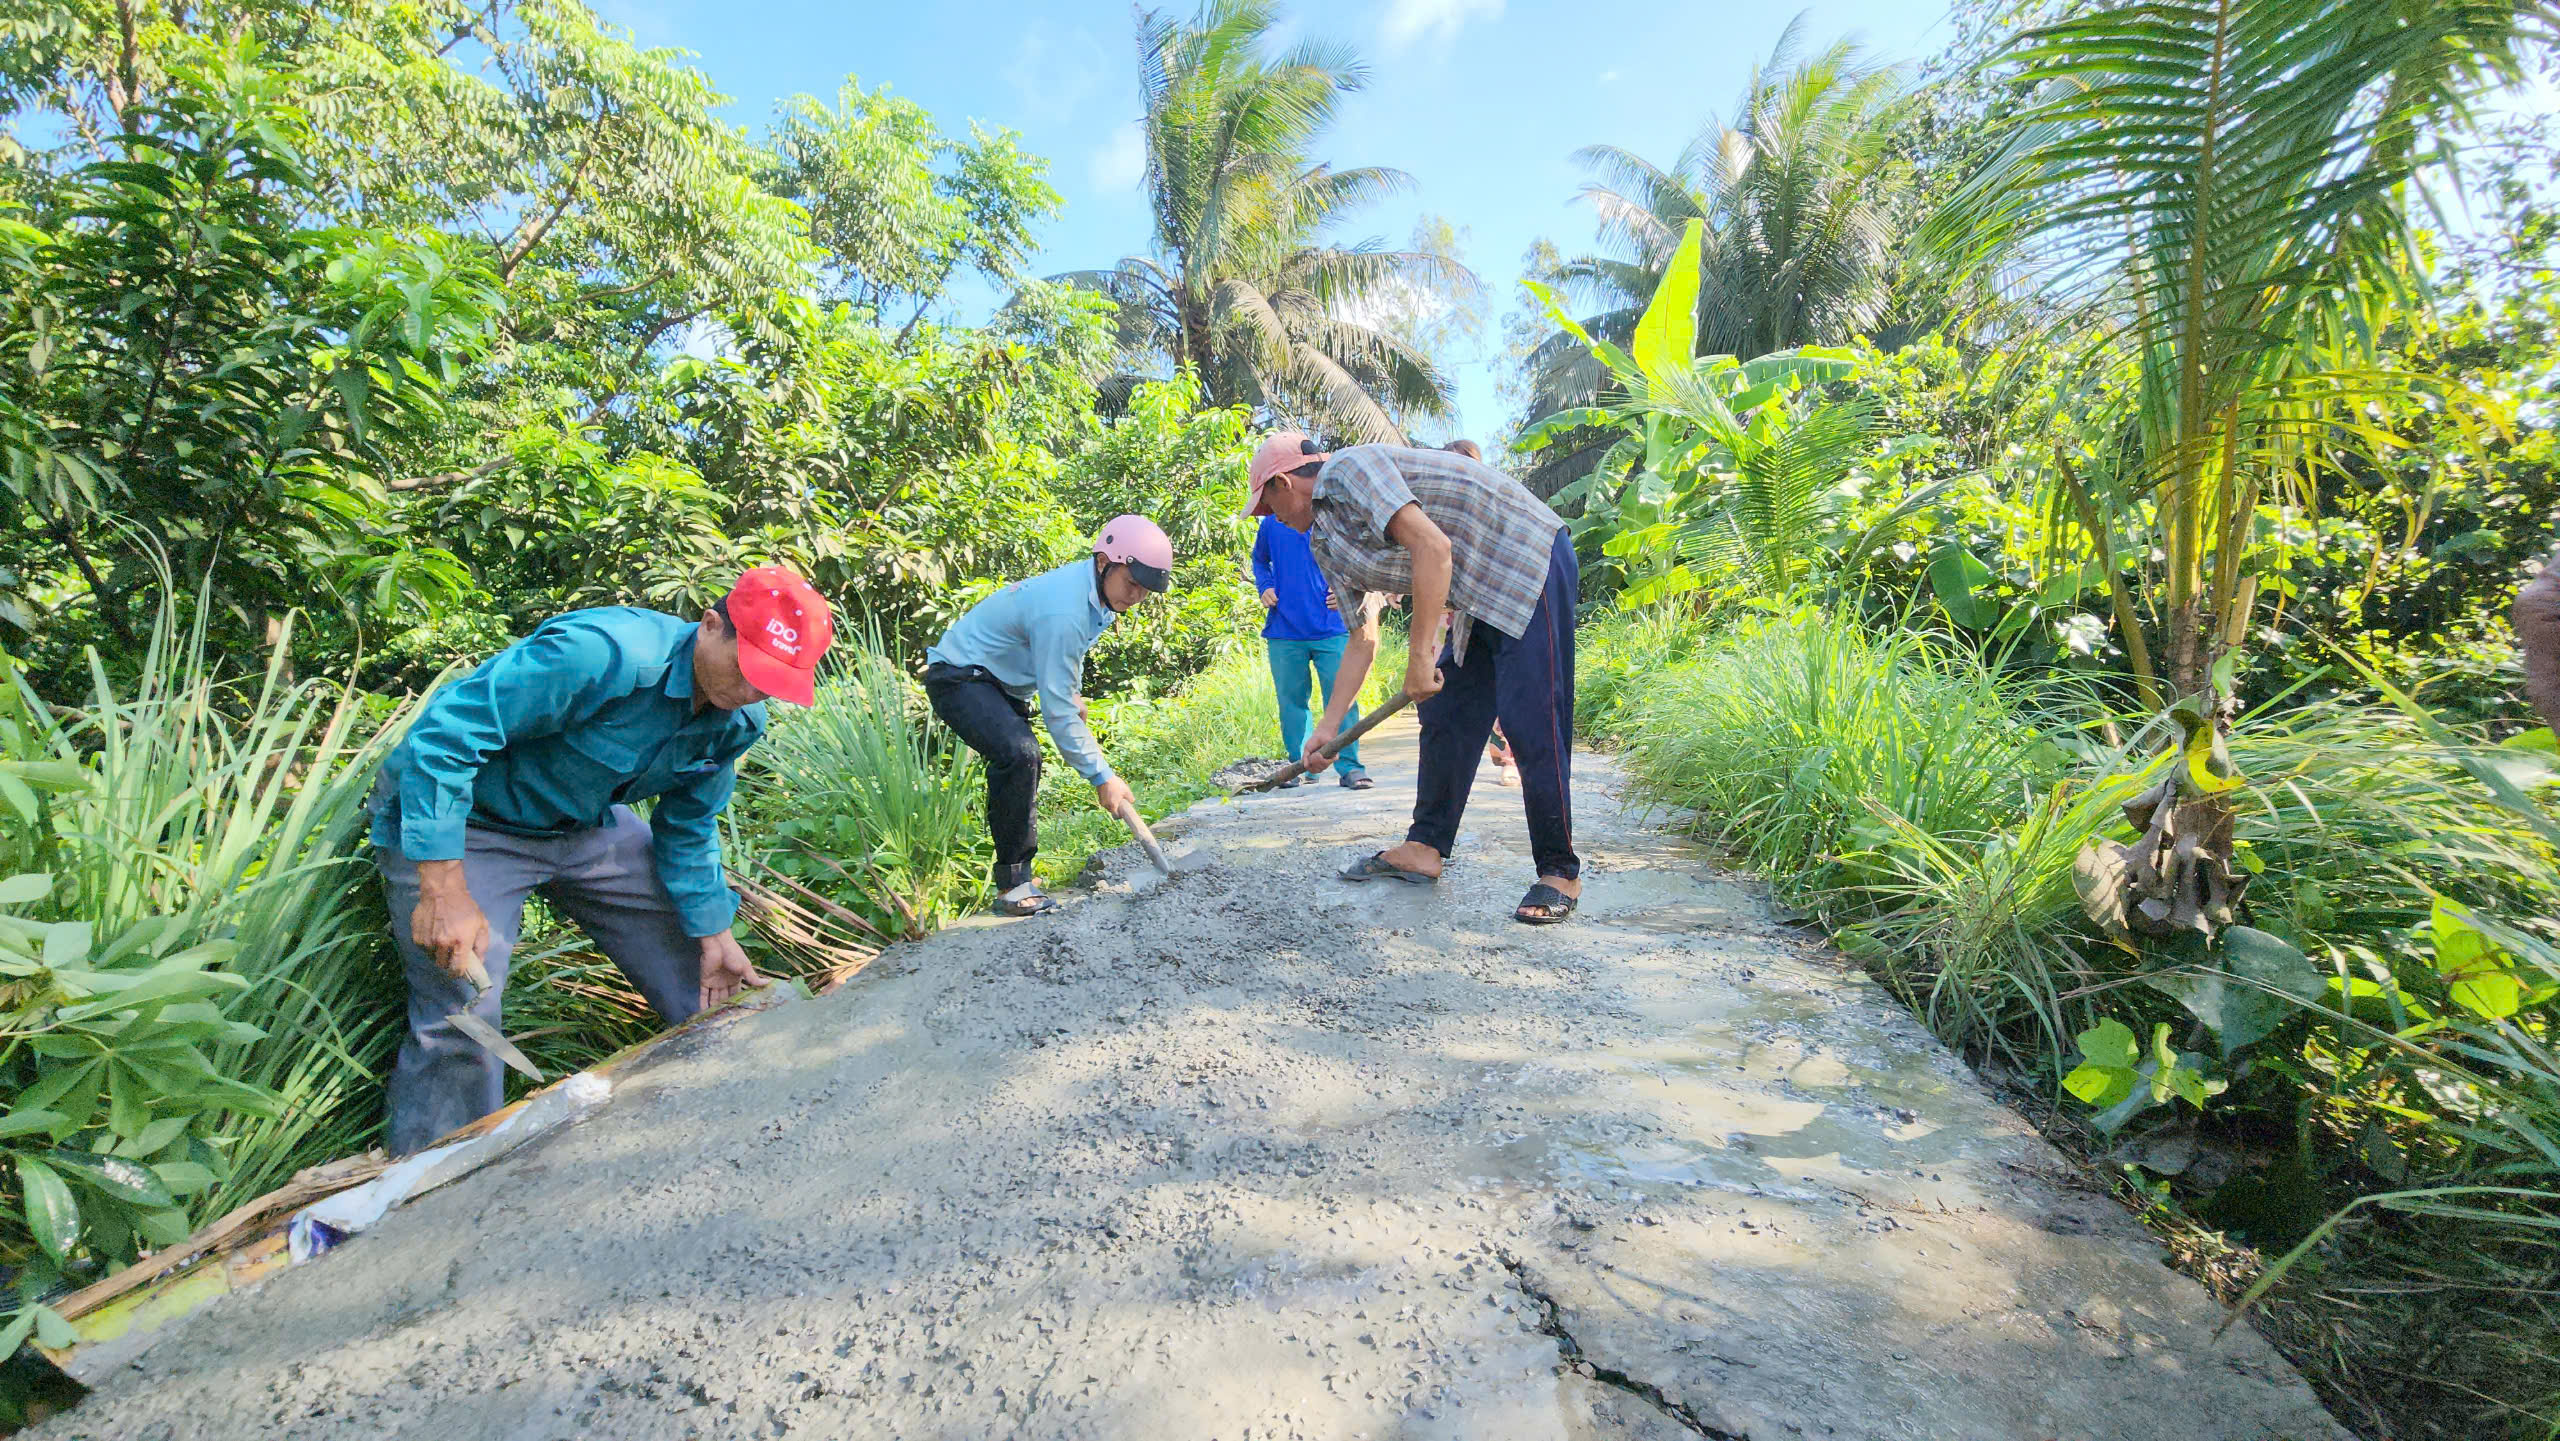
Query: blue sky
x,y
1482,101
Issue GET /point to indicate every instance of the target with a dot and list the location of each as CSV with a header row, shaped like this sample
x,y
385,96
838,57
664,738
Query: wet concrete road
x,y
1253,1154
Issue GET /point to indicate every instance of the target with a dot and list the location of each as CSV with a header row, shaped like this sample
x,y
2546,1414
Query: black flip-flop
x,y
1038,903
1374,867
1552,904
1357,781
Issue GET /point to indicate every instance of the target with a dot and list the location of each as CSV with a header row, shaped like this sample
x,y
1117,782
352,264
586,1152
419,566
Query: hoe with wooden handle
x,y
1295,769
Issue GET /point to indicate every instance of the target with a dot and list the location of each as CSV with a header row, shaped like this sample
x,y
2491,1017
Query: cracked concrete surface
x,y
1253,1154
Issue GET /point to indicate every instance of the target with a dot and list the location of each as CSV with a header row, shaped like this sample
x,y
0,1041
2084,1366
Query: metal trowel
x,y
490,1038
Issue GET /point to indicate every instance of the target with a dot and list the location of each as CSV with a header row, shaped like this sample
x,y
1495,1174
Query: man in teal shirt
x,y
520,777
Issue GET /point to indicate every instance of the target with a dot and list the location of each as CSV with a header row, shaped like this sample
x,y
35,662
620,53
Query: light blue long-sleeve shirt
x,y
1032,636
593,710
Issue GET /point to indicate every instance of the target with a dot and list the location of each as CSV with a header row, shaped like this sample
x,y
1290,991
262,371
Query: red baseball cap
x,y
783,627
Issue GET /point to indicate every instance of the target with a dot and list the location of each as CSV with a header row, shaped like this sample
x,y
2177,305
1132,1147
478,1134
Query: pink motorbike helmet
x,y
1140,544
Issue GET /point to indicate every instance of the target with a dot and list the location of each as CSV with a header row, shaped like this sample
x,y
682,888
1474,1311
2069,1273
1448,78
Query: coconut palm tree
x,y
2217,191
1801,215
1242,285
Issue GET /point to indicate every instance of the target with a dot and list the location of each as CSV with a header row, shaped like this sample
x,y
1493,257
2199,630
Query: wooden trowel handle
x,y
1146,838
1336,746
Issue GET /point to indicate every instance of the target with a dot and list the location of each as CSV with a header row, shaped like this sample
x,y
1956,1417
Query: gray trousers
x,y
605,880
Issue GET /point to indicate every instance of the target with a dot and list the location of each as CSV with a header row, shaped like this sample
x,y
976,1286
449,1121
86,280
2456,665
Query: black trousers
x,y
1527,684
993,723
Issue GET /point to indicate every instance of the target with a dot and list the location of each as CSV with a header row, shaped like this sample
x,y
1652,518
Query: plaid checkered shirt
x,y
1499,534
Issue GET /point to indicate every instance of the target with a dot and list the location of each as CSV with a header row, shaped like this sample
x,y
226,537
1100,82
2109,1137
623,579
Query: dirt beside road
x,y
1253,1154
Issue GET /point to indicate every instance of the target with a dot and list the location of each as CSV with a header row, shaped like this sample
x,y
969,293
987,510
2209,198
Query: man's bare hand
x,y
1270,598
1114,797
1421,677
1322,736
448,925
725,969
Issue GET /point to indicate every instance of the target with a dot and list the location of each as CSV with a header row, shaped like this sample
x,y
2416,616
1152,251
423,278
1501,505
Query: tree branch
x,y
125,85
532,232
484,20
444,478
110,608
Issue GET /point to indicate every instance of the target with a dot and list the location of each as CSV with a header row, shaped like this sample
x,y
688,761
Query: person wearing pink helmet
x,y
1029,640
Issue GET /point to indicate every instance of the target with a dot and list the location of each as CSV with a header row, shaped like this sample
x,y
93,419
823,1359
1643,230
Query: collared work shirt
x,y
593,710
1499,534
1032,636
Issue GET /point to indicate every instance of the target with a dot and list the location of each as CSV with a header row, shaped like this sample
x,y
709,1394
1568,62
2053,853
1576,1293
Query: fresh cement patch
x,y
1249,1153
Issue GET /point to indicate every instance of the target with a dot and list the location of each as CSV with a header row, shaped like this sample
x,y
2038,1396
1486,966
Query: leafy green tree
x,y
899,208
1168,457
1722,470
188,373
1241,286
2231,178
595,179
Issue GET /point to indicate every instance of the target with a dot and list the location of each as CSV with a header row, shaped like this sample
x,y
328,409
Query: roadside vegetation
x,y
2118,671
2052,513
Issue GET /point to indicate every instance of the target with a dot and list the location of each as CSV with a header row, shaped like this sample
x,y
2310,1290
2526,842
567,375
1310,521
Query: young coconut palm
x,y
1241,287
2221,183
1798,213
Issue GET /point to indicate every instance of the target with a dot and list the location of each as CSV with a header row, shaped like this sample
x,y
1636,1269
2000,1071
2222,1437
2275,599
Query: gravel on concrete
x,y
1250,1153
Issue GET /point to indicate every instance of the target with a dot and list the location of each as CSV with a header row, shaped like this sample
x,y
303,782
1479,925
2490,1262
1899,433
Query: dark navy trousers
x,y
1527,684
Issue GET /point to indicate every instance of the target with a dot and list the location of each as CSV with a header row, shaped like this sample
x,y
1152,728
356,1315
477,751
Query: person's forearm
x,y
2537,621
1358,653
1075,742
1430,601
684,838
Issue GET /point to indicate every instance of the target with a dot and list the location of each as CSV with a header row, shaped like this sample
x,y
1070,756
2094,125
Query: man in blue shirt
x,y
520,777
1303,630
1029,639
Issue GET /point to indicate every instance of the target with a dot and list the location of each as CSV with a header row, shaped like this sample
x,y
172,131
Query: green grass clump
x,y
1928,805
196,844
1810,742
869,798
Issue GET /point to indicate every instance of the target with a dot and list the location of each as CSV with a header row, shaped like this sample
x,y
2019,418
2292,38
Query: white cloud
x,y
1608,77
1408,21
1121,162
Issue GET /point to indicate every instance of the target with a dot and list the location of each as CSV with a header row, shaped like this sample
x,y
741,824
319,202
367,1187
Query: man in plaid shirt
x,y
1462,537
